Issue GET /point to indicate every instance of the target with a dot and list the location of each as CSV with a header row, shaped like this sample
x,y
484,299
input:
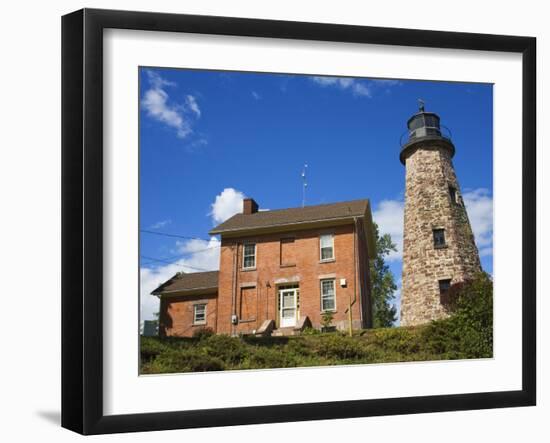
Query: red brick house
x,y
279,271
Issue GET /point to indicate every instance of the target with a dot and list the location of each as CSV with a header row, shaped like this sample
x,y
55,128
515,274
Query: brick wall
x,y
176,314
260,285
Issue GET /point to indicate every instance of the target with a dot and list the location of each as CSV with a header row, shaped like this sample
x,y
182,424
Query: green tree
x,y
383,282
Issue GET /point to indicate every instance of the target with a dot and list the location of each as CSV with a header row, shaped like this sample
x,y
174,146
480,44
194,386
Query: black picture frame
x,y
82,216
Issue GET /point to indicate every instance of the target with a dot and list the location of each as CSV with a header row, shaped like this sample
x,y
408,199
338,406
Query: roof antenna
x,y
304,185
421,104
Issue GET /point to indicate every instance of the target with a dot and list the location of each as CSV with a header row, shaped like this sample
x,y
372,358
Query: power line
x,y
187,253
164,234
172,263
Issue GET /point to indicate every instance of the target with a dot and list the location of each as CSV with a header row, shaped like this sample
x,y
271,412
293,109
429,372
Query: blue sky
x,y
208,138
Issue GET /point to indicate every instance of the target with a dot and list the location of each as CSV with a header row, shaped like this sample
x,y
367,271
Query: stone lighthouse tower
x,y
438,243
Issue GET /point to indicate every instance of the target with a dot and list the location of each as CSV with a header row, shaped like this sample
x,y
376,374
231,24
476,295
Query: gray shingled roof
x,y
282,217
182,282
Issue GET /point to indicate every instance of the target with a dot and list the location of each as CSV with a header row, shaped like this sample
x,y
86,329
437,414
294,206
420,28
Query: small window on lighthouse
x,y
453,194
444,286
439,238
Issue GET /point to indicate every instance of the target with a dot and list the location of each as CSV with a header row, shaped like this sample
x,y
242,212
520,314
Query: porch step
x,y
284,332
302,324
266,328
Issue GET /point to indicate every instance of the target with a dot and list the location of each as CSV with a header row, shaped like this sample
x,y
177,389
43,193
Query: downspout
x,y
234,289
351,303
258,295
360,247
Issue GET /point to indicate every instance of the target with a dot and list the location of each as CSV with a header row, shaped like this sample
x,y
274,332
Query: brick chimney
x,y
249,206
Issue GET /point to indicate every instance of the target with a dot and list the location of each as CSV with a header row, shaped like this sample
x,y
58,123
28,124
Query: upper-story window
x,y
439,238
249,256
326,243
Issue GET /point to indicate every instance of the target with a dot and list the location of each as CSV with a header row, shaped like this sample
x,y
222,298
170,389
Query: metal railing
x,y
409,135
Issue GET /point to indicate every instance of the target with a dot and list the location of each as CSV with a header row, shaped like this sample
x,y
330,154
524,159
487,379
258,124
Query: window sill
x,y
249,320
441,247
288,266
199,324
248,269
328,260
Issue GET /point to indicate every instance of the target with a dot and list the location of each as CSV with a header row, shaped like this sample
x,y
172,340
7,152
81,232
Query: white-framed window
x,y
328,295
199,314
326,246
249,255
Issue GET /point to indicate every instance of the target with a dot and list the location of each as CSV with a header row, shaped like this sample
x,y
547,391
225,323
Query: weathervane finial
x,y
421,105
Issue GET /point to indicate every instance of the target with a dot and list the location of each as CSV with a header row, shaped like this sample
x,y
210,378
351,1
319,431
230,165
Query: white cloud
x,y
479,205
155,101
256,95
193,105
197,255
358,88
161,224
386,82
156,81
389,217
226,204
200,142
159,106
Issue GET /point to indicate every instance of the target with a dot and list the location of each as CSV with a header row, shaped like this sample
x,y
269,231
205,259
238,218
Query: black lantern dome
x,y
425,127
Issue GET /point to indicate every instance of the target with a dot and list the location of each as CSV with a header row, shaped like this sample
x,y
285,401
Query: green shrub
x,y
263,358
340,347
298,346
202,333
190,360
326,319
229,349
468,332
150,347
401,340
310,331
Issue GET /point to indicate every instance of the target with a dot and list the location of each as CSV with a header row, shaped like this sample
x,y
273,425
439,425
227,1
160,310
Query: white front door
x,y
288,307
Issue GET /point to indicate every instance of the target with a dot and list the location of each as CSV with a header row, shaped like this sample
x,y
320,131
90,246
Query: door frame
x,y
284,288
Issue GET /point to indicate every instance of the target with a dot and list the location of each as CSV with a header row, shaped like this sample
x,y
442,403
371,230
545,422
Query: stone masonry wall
x,y
429,205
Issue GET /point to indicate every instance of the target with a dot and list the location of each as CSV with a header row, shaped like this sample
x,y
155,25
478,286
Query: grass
x,y
435,341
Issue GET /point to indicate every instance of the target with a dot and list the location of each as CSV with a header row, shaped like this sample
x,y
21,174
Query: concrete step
x,y
284,332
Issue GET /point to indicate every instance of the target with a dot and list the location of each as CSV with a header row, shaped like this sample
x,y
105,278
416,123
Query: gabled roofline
x,y
278,227
206,290
159,290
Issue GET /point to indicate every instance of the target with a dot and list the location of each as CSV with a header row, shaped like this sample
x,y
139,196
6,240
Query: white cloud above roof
x,y
226,204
